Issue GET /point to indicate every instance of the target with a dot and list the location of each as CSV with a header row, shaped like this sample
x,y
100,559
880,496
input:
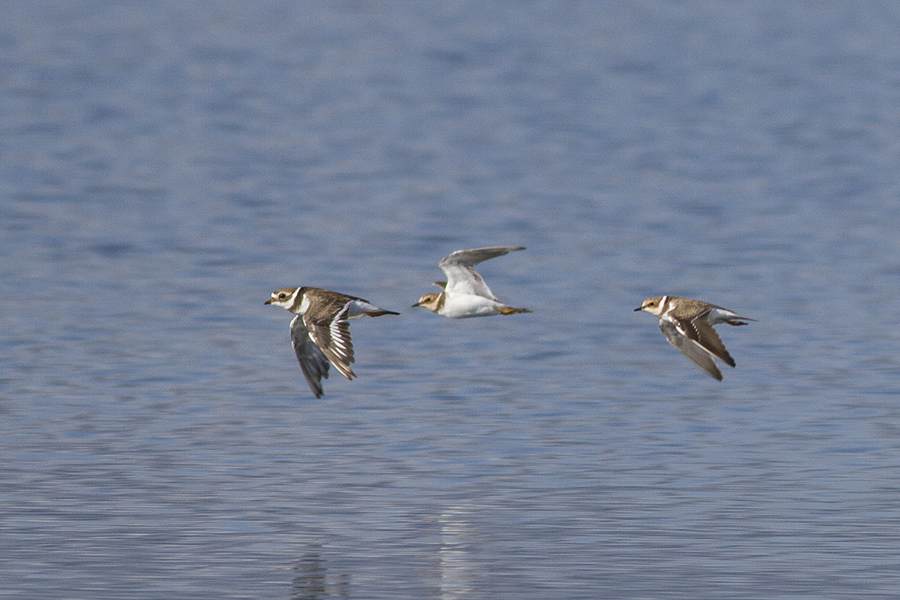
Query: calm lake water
x,y
166,165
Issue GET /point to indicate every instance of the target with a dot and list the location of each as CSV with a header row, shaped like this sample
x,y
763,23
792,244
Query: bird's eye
x,y
282,296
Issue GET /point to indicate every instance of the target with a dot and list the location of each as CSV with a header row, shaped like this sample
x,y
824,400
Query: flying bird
x,y
320,333
688,325
465,294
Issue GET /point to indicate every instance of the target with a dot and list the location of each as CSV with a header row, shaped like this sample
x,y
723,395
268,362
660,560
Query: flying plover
x,y
688,325
321,329
465,292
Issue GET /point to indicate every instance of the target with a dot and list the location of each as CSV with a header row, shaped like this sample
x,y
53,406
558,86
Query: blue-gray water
x,y
166,165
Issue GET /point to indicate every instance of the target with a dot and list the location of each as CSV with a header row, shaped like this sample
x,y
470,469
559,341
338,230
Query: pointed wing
x,y
312,361
694,351
701,331
331,333
462,277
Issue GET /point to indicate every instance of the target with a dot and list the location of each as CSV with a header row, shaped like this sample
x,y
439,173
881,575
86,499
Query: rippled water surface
x,y
166,165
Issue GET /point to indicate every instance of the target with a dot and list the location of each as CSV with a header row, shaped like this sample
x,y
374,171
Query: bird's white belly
x,y
359,308
463,306
719,315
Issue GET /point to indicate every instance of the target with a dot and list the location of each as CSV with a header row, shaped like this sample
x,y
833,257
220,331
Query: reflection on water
x,y
165,168
438,562
312,581
457,570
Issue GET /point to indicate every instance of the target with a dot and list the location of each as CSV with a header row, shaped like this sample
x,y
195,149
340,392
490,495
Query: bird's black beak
x,y
416,304
269,301
638,309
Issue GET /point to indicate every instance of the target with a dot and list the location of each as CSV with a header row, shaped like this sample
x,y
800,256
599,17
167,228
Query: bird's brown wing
x,y
312,361
690,348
